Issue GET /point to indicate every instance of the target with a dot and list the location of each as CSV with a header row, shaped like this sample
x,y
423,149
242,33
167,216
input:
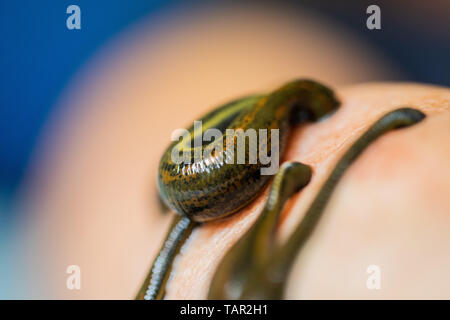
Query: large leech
x,y
207,189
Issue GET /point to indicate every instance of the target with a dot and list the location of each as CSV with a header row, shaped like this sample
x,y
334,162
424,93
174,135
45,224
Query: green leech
x,y
206,186
204,191
264,277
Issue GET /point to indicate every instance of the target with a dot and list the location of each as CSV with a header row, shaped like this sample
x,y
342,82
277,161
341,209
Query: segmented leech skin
x,y
153,288
255,268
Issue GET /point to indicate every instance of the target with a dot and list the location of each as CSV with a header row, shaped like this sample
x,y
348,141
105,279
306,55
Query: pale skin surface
x,y
391,209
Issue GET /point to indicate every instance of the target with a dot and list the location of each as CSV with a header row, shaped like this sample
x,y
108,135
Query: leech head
x,y
312,100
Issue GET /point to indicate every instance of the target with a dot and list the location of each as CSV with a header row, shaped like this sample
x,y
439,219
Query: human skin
x,y
391,209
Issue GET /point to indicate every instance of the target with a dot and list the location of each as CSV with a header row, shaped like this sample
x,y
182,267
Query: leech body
x,y
206,189
154,284
255,268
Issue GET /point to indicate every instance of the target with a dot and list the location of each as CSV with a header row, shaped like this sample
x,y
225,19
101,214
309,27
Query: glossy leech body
x,y
209,189
255,267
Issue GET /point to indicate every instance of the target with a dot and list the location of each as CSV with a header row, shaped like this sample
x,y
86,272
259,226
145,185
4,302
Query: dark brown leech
x,y
268,275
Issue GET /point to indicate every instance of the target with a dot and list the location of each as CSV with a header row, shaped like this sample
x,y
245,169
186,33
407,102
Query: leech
x,y
154,285
208,189
265,276
257,245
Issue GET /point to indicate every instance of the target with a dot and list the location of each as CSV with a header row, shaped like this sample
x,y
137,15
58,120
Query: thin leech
x,y
154,285
257,245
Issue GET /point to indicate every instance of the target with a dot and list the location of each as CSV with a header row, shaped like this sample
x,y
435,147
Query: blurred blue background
x,y
39,55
